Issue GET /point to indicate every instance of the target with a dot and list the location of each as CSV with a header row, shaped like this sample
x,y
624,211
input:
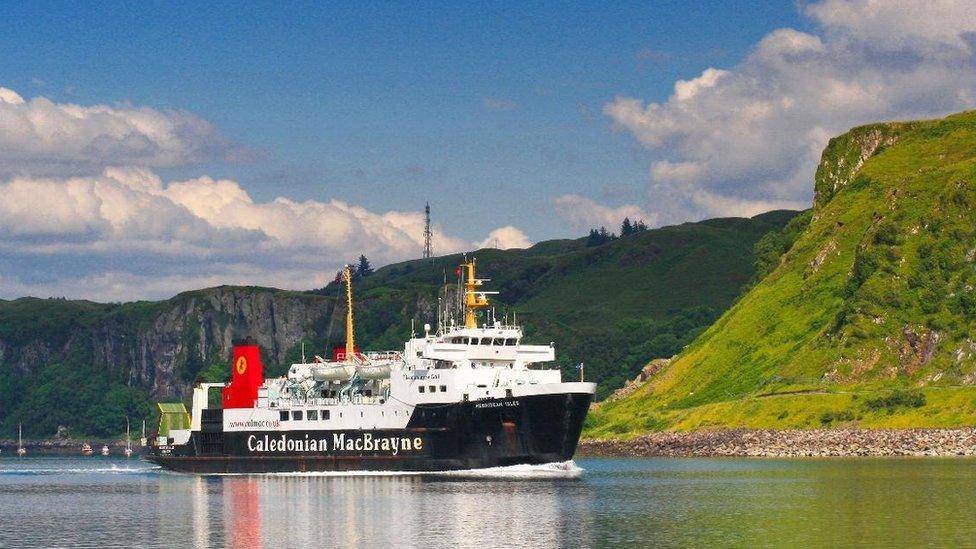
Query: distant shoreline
x,y
65,447
960,441
789,443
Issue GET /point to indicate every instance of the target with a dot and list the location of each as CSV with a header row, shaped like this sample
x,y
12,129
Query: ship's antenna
x,y
440,313
428,234
458,294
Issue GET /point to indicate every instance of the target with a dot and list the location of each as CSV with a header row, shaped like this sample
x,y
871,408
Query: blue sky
x,y
388,106
176,145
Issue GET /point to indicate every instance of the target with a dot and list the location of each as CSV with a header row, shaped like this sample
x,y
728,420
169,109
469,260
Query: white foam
x,y
113,469
561,470
565,469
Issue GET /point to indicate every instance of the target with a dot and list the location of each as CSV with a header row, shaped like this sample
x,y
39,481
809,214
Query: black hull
x,y
467,435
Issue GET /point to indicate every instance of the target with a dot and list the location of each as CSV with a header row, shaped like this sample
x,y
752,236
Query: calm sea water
x,y
105,502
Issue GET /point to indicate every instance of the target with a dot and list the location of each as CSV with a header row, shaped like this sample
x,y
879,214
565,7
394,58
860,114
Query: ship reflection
x,y
302,511
242,513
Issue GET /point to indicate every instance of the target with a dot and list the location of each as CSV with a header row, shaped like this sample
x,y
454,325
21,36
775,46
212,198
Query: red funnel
x,y
247,374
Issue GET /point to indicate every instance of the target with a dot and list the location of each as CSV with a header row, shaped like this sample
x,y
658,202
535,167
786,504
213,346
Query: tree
x,y
626,229
364,268
593,239
640,226
597,237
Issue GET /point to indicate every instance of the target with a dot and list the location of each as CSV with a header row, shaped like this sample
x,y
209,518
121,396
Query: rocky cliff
x,y
163,346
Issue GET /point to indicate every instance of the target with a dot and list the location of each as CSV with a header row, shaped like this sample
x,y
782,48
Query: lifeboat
x,y
374,370
333,371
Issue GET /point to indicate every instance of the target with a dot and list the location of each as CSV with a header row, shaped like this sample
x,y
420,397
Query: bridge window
x,y
486,341
296,415
498,341
283,415
313,415
420,389
510,341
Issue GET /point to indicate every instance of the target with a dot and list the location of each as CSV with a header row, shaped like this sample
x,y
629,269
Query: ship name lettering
x,y
285,444
420,377
367,443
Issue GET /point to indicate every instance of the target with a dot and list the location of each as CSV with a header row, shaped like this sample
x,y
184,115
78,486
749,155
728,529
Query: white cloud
x,y
129,235
751,136
41,136
730,206
584,213
505,238
893,22
10,97
85,215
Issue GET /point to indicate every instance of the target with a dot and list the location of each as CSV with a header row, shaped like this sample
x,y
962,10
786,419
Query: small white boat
x,y
105,450
143,440
128,443
21,451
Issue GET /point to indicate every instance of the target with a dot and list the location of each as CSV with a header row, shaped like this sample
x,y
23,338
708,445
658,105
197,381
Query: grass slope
x,y
869,317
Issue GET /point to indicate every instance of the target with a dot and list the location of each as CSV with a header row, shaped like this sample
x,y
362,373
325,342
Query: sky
x,y
152,148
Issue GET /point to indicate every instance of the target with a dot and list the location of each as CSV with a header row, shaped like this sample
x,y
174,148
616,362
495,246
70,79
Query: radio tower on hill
x,y
428,252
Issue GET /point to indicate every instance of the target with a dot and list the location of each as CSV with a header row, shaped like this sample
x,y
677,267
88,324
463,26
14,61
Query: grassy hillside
x,y
869,317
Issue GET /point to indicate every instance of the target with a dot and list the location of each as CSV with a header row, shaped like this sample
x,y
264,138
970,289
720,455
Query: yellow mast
x,y
350,336
473,300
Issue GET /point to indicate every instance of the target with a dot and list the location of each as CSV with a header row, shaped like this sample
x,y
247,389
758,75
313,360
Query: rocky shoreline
x,y
790,443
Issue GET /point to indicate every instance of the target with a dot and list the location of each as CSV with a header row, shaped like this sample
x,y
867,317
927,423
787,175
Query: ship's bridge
x,y
496,346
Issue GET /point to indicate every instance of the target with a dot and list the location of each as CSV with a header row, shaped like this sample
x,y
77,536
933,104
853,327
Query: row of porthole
x,y
313,415
499,341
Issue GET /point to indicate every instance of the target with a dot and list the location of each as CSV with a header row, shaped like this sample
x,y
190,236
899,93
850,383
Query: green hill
x,y
614,306
869,317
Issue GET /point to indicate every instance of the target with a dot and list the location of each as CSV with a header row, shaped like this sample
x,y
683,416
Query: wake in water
x,y
563,470
68,470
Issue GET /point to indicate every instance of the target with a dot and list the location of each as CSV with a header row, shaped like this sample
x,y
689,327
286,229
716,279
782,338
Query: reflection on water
x,y
383,510
666,502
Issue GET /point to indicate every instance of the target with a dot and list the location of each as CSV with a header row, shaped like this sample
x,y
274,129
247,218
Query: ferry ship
x,y
468,395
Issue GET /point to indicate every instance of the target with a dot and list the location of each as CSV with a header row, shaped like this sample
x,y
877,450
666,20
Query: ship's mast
x,y
350,336
473,299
